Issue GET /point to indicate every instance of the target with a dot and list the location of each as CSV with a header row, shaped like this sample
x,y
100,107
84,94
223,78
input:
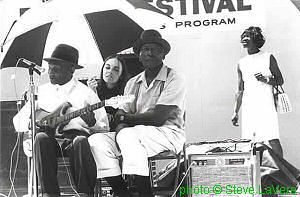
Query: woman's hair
x,y
256,35
123,77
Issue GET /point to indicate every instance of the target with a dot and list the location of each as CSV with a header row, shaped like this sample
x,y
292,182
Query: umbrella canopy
x,y
114,26
112,30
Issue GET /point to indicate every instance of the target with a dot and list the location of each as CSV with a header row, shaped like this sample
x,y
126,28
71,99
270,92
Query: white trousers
x,y
136,144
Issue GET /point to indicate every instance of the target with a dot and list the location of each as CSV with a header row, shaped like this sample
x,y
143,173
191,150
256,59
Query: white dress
x,y
259,116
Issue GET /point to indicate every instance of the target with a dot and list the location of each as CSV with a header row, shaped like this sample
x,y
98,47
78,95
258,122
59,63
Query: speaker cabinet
x,y
224,174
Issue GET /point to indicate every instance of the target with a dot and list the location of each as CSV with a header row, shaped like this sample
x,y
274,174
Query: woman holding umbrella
x,y
112,81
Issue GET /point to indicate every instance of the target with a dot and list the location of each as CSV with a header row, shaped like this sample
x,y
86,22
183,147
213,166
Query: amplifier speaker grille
x,y
234,169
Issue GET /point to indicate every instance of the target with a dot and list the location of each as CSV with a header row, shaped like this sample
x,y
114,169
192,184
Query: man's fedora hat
x,y
64,54
150,36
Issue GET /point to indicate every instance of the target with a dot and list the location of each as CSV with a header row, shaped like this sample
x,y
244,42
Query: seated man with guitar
x,y
64,120
152,123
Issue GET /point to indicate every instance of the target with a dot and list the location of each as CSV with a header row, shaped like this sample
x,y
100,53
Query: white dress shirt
x,y
50,97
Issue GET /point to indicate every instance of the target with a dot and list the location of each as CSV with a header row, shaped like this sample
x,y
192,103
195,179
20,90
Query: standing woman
x,y
258,72
112,81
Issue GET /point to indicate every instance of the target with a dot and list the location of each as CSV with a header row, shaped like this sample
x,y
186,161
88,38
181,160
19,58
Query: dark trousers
x,y
82,164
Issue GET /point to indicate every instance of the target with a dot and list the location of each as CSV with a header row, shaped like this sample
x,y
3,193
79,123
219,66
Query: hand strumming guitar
x,y
63,111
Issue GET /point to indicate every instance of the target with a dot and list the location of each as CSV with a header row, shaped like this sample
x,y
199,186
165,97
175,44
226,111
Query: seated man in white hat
x,y
153,123
70,138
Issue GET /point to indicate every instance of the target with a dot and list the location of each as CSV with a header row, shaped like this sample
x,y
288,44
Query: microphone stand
x,y
32,187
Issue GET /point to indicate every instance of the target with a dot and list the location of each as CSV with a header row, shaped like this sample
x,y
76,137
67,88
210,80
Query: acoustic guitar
x,y
55,121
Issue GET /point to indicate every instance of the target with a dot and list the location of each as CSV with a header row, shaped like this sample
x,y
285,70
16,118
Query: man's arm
x,y
156,117
96,120
89,117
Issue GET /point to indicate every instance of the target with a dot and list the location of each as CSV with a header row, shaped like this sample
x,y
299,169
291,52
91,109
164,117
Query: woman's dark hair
x,y
123,78
256,35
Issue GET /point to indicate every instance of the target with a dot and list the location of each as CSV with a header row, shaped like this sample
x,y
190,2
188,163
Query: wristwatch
x,y
122,117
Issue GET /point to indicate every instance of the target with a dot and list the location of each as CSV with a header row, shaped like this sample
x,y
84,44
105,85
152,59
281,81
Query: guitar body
x,y
48,121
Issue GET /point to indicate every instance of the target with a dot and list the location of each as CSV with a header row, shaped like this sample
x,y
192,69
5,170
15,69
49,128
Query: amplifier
x,y
224,174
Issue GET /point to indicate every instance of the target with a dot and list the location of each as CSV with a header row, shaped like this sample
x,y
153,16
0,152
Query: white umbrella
x,y
75,23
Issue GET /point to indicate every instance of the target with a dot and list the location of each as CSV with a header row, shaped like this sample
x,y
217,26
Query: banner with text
x,y
191,16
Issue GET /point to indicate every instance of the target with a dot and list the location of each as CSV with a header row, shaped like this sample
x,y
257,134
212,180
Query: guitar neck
x,y
79,112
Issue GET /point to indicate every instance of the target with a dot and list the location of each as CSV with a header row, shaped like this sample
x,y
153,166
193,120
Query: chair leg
x,y
185,163
177,173
153,177
98,189
29,170
152,173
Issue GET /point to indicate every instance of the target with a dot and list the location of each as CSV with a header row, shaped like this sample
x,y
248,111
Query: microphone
x,y
33,65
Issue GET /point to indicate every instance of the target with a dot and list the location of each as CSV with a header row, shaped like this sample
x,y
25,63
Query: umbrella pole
x,y
33,176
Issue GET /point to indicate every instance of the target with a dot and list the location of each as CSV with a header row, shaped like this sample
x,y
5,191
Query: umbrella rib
x,y
4,41
87,21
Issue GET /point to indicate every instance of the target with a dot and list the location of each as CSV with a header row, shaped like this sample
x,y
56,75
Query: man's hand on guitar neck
x,y
89,116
